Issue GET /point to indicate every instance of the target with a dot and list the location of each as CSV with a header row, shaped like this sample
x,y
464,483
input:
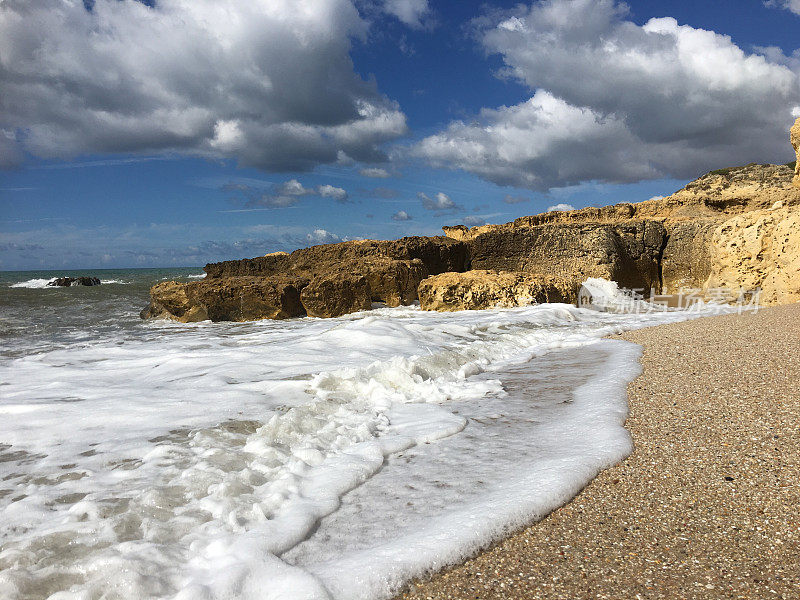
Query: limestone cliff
x,y
685,224
321,281
759,249
734,228
794,138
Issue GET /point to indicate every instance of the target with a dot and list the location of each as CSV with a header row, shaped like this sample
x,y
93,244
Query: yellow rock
x,y
759,249
480,289
794,137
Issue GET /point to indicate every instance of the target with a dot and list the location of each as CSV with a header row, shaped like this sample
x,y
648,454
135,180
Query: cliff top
x,y
719,193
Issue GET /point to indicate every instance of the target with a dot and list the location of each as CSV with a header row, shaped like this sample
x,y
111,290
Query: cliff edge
x,y
731,228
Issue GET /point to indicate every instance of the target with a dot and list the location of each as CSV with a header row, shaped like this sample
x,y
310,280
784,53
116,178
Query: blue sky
x,y
186,131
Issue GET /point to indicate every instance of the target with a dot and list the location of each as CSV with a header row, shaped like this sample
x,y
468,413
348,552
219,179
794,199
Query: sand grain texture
x,y
707,506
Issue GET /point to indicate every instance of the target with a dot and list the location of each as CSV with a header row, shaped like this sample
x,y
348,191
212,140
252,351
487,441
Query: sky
x,y
178,132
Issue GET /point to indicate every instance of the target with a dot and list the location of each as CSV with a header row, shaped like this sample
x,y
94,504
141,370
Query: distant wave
x,y
42,283
32,283
201,276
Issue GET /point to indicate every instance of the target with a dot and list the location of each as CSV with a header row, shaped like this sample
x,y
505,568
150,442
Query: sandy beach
x,y
707,504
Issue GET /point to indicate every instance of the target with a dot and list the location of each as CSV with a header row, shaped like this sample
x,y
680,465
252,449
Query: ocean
x,y
299,459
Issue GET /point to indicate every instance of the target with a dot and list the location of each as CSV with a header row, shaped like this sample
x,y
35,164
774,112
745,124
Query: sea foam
x,y
243,460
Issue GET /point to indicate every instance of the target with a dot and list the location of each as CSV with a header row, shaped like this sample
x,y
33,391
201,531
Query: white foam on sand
x,y
197,460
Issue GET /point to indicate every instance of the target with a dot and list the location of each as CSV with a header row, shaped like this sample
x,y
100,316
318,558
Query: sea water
x,y
303,459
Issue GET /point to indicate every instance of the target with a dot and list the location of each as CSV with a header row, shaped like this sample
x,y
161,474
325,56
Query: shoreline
x,y
704,506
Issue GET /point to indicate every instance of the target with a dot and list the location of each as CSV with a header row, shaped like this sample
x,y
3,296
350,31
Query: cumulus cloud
x,y
410,12
401,215
440,202
322,236
267,82
335,193
374,172
560,207
617,102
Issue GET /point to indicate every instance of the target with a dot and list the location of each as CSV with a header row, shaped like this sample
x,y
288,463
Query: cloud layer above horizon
x,y
271,84
268,82
617,102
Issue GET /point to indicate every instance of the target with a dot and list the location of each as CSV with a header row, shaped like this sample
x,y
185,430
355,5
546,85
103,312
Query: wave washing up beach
x,y
309,458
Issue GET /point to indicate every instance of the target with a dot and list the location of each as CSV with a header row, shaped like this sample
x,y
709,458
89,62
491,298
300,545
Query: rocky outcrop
x,y
321,281
794,138
686,262
435,254
229,299
336,295
732,227
70,281
480,289
759,250
627,252
689,219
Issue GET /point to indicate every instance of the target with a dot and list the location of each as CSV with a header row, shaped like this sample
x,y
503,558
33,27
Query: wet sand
x,y
708,504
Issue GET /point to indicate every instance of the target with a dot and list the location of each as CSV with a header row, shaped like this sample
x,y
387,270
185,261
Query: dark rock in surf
x,y
70,281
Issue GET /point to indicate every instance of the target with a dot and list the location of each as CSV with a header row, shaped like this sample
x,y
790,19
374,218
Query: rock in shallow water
x,y
230,299
70,281
476,290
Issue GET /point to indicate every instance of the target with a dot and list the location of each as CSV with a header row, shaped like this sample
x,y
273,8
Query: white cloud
x,y
329,191
440,201
280,195
401,215
617,102
560,207
322,236
657,198
790,5
410,12
374,172
268,82
292,188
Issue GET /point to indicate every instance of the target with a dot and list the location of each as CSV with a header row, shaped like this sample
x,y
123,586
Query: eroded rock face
x,y
628,253
436,254
794,138
322,281
481,289
733,227
759,249
230,299
336,295
686,262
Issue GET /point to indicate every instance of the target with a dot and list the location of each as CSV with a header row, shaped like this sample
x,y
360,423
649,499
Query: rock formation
x,y
481,289
735,227
70,281
794,138
229,299
759,249
626,252
320,281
